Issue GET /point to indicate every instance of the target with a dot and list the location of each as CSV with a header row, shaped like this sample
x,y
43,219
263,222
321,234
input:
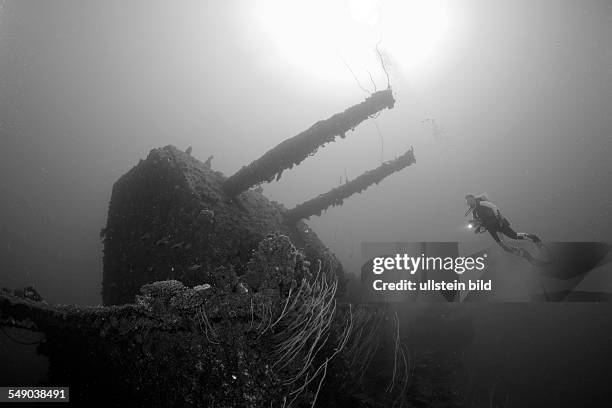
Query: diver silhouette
x,y
488,217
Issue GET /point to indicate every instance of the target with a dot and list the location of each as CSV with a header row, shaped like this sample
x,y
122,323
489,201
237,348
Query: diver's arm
x,y
476,225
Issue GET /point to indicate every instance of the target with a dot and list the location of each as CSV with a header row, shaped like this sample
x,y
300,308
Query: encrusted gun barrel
x,y
337,195
292,151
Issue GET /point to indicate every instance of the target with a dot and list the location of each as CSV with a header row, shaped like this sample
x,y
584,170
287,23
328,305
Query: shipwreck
x,y
214,295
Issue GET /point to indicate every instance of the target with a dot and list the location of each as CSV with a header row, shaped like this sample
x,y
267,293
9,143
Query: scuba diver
x,y
487,217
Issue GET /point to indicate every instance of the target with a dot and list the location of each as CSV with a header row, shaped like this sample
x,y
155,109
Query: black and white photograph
x,y
306,203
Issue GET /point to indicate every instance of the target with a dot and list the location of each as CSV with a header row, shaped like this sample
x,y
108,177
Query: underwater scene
x,y
272,203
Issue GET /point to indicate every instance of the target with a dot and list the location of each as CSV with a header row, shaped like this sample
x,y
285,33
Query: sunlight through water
x,y
321,38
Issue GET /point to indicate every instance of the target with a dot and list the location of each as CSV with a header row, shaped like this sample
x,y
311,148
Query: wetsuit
x,y
489,217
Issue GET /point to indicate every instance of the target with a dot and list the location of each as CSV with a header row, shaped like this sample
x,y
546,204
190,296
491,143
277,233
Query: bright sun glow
x,y
321,36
